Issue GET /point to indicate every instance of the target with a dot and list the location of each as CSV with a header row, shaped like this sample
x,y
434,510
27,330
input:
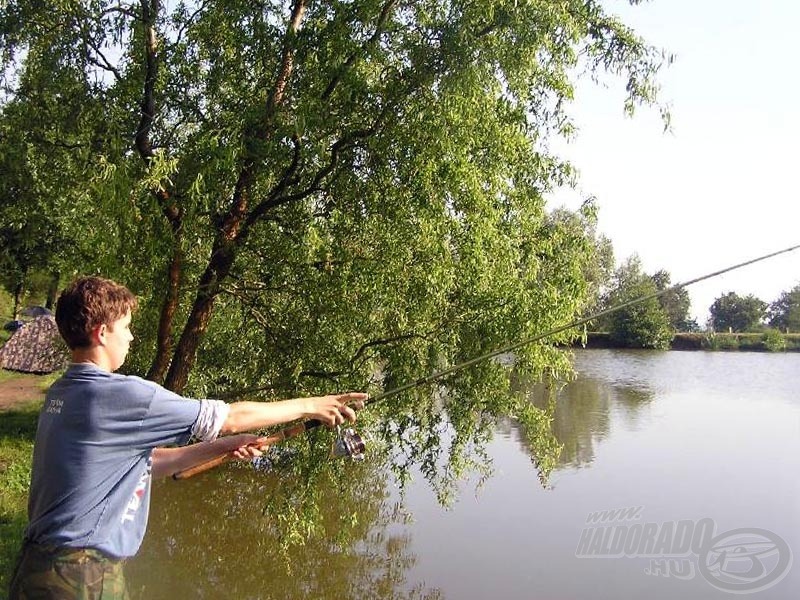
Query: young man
x,y
101,439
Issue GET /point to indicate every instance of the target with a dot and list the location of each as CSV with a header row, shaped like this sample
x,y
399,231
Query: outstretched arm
x,y
244,416
167,461
331,410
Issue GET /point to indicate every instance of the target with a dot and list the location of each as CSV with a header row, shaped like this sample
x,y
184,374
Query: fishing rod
x,y
350,443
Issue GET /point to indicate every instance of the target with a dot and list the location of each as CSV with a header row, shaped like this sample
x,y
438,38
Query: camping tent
x,y
35,348
36,311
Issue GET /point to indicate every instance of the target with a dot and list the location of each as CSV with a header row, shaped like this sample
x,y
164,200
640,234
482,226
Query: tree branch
x,y
276,198
351,60
332,375
148,105
41,139
103,63
275,97
122,10
192,17
383,342
288,179
231,226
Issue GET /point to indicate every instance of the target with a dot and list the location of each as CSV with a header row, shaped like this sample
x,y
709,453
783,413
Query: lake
x,y
678,478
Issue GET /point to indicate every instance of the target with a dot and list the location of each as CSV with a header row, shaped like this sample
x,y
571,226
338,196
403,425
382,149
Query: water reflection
x,y
678,435
582,410
216,536
580,418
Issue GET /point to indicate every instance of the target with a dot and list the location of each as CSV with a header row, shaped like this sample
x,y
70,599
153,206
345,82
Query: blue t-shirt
x,y
90,486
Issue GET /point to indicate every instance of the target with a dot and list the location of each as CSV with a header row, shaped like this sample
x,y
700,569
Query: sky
x,y
721,186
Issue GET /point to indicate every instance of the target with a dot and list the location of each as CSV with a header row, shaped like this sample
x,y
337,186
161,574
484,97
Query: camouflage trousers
x,y
44,573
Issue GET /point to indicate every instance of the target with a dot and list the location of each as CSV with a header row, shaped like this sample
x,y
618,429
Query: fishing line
x,y
300,428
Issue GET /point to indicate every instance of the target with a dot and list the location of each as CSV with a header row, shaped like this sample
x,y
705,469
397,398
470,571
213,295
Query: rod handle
x,y
284,434
202,467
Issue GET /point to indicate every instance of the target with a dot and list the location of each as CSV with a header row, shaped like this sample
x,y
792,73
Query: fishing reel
x,y
348,443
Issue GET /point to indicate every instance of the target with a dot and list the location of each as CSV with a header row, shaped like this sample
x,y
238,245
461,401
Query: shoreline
x,y
709,342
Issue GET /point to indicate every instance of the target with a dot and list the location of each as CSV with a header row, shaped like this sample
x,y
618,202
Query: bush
x,y
774,341
792,341
723,341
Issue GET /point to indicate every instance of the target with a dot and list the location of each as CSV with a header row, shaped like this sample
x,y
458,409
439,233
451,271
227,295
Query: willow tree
x,y
306,190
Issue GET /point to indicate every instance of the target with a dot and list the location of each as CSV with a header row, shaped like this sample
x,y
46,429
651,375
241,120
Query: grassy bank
x,y
17,431
769,341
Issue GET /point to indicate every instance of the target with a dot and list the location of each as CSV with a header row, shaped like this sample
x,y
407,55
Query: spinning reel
x,y
348,443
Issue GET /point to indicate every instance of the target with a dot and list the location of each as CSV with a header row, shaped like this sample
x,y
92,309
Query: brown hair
x,y
87,303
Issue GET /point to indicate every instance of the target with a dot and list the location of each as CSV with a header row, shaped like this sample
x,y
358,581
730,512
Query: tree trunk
x,y
161,360
170,205
235,225
183,359
18,291
52,290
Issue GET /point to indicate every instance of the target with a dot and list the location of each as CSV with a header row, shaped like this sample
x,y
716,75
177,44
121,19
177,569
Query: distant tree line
x,y
653,323
740,314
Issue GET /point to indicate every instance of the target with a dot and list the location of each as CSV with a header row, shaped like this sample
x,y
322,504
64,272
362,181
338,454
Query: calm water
x,y
697,446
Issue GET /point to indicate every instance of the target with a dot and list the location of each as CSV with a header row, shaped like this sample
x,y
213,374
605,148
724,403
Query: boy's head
x,y
88,303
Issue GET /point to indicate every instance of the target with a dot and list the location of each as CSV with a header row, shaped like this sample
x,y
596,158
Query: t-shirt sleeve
x,y
169,419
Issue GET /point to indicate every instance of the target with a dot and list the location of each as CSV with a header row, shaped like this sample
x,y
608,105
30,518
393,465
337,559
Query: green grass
x,y
17,433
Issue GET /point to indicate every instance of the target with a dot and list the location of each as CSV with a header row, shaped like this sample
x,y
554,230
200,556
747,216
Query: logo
x,y
54,406
138,496
739,561
745,560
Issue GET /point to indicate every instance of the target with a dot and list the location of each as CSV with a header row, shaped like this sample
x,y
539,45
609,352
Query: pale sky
x,y
721,187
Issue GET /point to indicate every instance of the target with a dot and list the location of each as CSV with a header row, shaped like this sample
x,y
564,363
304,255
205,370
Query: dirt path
x,y
20,391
